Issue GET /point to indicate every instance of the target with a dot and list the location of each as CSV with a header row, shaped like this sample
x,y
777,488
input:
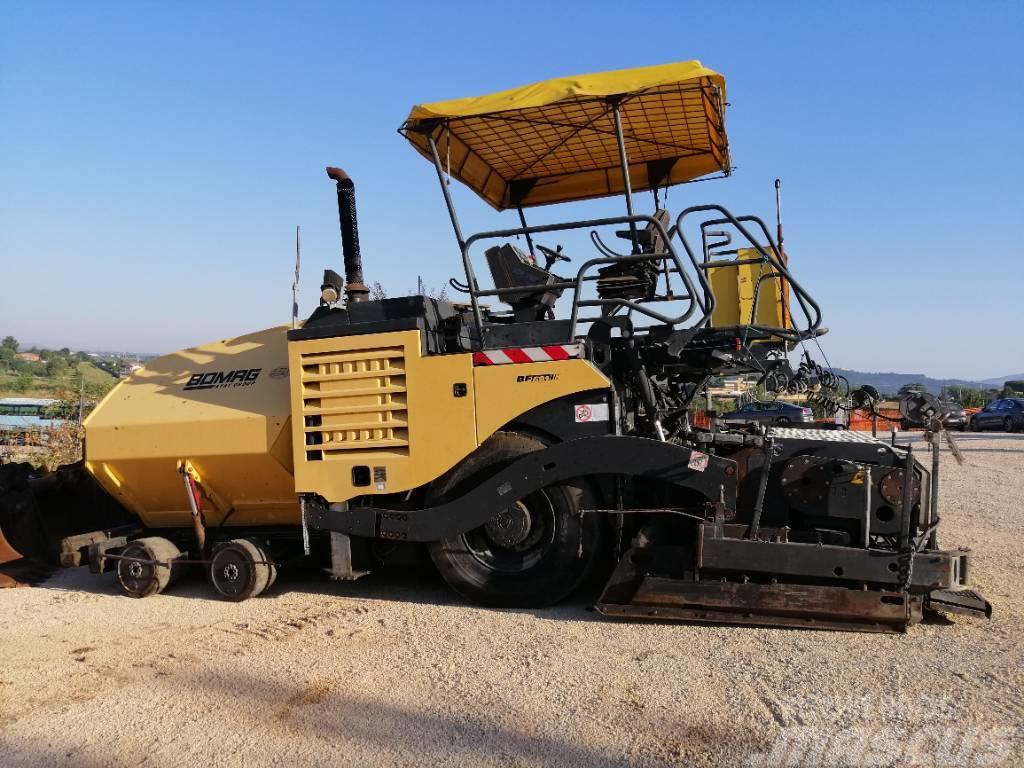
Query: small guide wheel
x,y
240,569
149,566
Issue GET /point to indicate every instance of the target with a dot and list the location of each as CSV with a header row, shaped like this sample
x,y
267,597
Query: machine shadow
x,y
424,586
169,373
411,585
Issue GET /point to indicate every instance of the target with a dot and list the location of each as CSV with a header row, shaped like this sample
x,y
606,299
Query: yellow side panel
x,y
506,391
223,406
734,294
374,416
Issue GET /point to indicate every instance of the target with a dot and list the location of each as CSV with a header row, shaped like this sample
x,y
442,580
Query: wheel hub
x,y
229,572
135,570
511,527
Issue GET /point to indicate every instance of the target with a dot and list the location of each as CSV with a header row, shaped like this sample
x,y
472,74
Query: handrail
x,y
691,295
801,293
699,295
770,257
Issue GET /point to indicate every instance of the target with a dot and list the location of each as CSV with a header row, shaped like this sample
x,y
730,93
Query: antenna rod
x,y
778,214
295,281
783,283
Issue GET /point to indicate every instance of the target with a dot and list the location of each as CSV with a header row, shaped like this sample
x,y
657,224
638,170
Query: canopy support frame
x,y
627,187
529,240
436,157
474,287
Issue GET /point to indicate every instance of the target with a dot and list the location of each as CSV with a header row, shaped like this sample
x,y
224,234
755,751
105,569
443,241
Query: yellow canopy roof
x,y
554,141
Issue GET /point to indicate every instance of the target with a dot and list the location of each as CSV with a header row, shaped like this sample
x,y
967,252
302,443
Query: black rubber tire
x,y
144,579
239,569
782,421
973,426
264,545
568,547
1008,425
272,577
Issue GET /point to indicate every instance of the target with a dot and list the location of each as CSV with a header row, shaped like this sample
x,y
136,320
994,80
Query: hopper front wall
x,y
224,407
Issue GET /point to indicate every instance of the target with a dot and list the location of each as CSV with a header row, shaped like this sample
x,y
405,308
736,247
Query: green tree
x,y
911,387
22,383
1013,387
968,397
8,349
56,367
23,366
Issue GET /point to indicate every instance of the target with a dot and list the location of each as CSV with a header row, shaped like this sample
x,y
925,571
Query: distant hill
x,y
998,382
889,383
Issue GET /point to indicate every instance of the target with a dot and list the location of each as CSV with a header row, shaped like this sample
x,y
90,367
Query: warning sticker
x,y
698,461
591,412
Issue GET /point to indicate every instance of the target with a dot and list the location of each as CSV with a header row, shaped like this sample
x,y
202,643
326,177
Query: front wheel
x,y
1008,424
535,552
974,426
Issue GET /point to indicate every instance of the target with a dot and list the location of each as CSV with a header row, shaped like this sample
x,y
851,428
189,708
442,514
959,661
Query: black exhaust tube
x,y
355,289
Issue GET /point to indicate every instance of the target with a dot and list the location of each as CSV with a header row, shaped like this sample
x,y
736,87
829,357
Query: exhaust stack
x,y
355,290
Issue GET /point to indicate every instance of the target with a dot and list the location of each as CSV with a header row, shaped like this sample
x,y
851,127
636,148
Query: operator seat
x,y
637,279
512,268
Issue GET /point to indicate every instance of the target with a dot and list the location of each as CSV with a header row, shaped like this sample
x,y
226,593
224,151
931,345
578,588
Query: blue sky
x,y
155,158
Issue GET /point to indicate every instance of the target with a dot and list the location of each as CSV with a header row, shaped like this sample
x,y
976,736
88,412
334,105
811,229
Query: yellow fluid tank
x,y
734,289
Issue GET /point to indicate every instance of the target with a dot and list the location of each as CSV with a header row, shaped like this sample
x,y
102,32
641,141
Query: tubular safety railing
x,y
698,293
768,255
586,273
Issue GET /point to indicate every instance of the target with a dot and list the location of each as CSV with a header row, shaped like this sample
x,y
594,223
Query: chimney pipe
x,y
355,290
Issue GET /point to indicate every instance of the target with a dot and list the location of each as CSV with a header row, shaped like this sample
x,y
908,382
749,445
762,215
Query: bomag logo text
x,y
243,377
537,377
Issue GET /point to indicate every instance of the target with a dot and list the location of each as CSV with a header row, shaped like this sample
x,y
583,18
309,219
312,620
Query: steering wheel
x,y
551,257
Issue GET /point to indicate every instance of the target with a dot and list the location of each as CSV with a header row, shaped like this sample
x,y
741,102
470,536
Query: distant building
x,y
127,369
23,417
731,387
29,357
26,406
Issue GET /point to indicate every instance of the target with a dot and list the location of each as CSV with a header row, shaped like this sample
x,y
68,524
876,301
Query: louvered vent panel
x,y
354,401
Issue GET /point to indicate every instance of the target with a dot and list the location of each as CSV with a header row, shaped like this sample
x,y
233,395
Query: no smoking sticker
x,y
591,412
698,461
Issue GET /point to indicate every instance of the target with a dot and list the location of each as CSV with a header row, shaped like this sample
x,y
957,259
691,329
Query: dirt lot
x,y
393,671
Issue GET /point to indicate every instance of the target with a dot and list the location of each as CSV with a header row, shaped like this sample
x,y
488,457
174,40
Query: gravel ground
x,y
392,670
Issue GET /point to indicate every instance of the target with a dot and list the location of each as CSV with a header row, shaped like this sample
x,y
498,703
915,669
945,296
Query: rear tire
x,y
1008,425
535,553
782,421
973,426
142,579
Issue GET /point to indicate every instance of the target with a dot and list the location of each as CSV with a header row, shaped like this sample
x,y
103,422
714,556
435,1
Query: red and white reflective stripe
x,y
526,354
